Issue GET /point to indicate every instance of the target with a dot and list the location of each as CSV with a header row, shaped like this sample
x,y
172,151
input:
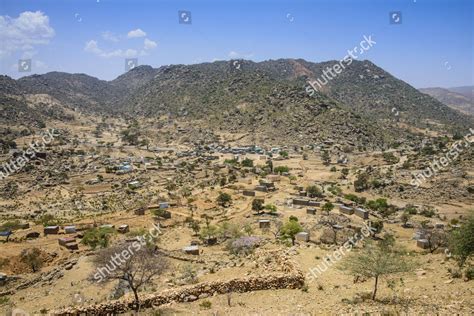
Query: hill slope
x,y
266,98
457,98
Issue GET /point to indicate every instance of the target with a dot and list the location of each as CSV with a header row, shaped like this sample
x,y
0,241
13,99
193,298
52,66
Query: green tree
x,y
314,191
224,199
208,232
247,163
290,229
97,237
284,154
376,260
461,241
327,207
257,205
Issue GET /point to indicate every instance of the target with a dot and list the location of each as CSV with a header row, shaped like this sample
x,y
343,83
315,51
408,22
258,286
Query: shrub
x,y
271,208
48,220
469,273
390,158
205,304
362,182
257,205
247,163
427,212
224,199
97,237
281,169
411,209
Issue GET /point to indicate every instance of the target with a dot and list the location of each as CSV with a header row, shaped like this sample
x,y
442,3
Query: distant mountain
x,y
459,98
467,91
360,106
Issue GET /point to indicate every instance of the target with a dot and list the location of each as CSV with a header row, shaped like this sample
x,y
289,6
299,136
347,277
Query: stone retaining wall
x,y
292,280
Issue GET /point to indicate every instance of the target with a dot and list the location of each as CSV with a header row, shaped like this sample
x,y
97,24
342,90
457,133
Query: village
x,y
260,216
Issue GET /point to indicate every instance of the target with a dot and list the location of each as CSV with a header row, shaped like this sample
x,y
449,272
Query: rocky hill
x,y
267,98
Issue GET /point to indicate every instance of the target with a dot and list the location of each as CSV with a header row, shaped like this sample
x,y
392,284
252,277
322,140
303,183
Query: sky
x,y
430,46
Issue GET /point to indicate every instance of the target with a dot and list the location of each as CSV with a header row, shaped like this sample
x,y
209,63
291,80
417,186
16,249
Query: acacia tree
x,y
376,260
224,199
137,268
327,207
314,191
290,229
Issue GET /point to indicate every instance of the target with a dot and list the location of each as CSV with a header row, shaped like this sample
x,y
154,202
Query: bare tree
x,y
136,264
32,257
333,225
436,238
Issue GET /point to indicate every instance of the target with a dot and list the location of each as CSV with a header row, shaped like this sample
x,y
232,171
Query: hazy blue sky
x,y
433,46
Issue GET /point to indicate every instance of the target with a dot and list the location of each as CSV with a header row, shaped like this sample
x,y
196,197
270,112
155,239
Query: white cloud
x,y
111,37
93,47
149,44
25,32
136,33
234,55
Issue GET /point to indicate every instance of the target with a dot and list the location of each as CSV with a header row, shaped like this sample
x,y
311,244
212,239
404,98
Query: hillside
x,y
265,98
457,98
